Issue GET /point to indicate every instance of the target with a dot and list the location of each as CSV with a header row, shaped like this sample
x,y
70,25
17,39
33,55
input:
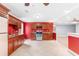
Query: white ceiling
x,y
37,12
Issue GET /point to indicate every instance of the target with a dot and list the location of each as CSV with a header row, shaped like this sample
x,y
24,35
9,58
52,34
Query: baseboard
x,y
73,53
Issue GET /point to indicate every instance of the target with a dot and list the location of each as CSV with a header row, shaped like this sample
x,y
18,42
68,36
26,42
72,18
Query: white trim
x,y
75,54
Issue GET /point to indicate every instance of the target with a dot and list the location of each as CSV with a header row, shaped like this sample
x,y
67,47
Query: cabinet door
x,y
3,25
47,36
54,36
15,43
10,46
33,36
3,10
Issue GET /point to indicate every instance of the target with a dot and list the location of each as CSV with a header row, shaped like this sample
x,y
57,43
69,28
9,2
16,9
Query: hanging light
x,y
46,4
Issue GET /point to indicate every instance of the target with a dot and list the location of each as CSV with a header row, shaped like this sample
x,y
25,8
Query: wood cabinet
x,y
54,35
47,36
10,46
14,43
33,36
3,11
14,26
46,27
19,24
14,21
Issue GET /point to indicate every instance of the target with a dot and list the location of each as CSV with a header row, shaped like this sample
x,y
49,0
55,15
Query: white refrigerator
x,y
3,36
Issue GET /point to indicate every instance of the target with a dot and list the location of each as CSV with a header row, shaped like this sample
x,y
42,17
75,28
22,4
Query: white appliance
x,y
38,35
3,36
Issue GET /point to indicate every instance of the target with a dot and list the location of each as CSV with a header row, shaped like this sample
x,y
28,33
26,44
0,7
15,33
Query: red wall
x,y
27,30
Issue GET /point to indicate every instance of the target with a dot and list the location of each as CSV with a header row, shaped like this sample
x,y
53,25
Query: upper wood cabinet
x,y
14,21
3,10
19,24
46,27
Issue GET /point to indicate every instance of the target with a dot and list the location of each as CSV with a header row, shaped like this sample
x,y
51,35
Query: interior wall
x,y
63,30
77,28
62,33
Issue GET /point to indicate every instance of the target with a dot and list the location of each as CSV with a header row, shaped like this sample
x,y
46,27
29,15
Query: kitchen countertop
x,y
74,34
10,36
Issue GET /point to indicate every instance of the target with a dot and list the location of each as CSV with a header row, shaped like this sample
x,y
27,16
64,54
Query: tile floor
x,y
42,48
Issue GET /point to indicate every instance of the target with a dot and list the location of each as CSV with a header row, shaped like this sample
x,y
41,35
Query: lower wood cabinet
x,y
10,46
47,36
54,36
14,43
33,36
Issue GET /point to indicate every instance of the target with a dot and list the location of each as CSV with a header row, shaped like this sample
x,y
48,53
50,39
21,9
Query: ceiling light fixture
x,y
27,4
75,20
46,4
